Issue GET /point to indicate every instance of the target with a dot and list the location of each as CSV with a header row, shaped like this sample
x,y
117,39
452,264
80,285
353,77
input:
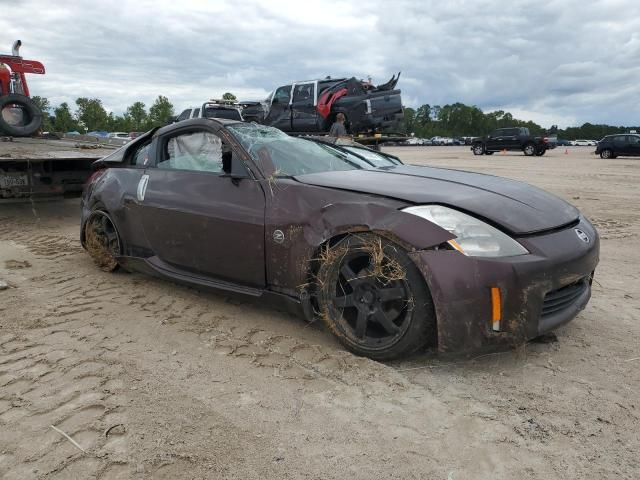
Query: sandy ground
x,y
154,380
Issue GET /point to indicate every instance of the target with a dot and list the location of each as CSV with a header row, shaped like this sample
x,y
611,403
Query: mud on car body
x,y
393,258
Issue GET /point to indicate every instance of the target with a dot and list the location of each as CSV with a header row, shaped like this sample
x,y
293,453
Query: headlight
x,y
474,237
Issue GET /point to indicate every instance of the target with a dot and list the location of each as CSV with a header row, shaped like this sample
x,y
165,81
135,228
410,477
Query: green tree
x,y
63,120
91,114
45,107
161,112
423,115
137,115
408,120
230,97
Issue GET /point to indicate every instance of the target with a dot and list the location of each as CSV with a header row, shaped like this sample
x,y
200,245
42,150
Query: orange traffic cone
x,y
566,151
504,151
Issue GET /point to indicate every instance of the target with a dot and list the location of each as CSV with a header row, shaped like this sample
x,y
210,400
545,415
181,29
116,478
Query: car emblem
x,y
582,236
278,236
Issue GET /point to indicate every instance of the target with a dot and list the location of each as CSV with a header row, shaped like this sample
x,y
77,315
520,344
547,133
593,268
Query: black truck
x,y
515,138
311,106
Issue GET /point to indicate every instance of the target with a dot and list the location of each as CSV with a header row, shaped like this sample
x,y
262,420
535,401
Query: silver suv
x,y
213,109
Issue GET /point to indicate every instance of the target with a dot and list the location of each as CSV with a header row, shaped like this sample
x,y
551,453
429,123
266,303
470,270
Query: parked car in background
x,y
515,138
582,143
613,146
441,141
213,109
120,135
412,141
561,142
592,143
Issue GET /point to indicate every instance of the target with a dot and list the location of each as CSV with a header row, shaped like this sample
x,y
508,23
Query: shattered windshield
x,y
278,154
376,159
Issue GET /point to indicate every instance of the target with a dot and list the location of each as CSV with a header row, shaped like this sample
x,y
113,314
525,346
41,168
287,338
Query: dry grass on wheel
x,y
100,254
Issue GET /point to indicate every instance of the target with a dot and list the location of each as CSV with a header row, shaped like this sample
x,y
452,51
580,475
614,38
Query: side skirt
x,y
157,268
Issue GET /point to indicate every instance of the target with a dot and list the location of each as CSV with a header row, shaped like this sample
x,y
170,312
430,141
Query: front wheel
x,y
102,241
606,153
529,149
374,299
478,149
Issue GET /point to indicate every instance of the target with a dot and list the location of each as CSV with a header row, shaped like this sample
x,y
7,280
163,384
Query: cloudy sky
x,y
560,62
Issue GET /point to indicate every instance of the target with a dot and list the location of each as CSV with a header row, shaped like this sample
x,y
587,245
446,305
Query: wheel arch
x,y
99,208
409,232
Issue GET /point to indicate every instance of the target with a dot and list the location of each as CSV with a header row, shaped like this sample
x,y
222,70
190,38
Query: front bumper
x,y
538,292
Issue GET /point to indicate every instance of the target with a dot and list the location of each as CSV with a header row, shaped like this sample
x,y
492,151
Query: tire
x,y
374,299
540,152
607,153
478,149
529,149
102,241
31,111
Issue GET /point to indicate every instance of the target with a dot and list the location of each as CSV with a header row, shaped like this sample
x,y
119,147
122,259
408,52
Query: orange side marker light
x,y
496,309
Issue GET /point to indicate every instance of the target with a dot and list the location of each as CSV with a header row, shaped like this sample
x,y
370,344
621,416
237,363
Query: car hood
x,y
515,206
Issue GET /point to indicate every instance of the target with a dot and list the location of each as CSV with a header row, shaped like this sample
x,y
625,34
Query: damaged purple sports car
x,y
393,258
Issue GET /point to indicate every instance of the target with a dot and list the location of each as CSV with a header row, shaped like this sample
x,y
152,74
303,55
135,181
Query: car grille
x,y
557,300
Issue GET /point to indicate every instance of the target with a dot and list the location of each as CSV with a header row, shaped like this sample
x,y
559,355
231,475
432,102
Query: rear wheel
x,y
541,151
606,153
478,149
529,149
102,241
374,299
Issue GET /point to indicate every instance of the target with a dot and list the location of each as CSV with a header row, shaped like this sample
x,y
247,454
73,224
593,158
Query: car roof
x,y
197,122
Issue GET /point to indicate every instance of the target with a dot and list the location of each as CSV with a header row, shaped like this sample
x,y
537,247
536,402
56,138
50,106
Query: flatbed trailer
x,y
375,141
33,168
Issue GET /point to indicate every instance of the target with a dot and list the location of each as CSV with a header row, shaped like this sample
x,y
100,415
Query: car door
x,y
512,138
195,217
304,116
620,145
634,145
279,114
494,142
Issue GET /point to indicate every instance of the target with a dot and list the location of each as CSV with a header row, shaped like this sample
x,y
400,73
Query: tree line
x,y
460,120
426,121
90,115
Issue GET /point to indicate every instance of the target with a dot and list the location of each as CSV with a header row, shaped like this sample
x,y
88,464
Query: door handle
x,y
142,187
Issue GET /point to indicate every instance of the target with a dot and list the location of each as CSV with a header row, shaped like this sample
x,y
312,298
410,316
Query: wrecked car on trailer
x,y
312,106
393,258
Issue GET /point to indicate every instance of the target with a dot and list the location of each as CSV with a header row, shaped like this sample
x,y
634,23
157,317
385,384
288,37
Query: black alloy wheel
x,y
374,298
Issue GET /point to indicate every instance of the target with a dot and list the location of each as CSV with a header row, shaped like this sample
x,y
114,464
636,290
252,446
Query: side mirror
x,y
233,166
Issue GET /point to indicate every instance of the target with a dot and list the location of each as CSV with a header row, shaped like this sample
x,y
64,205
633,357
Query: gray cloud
x,y
559,61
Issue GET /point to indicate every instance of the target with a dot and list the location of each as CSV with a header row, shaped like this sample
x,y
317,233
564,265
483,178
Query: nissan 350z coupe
x,y
393,258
